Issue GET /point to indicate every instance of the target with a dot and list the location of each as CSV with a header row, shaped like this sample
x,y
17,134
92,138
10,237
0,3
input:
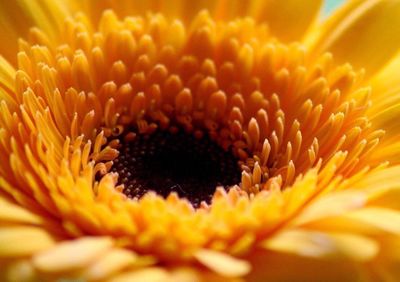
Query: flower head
x,y
167,141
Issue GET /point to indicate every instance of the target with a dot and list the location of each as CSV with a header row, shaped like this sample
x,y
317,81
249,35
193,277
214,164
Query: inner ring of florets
x,y
232,82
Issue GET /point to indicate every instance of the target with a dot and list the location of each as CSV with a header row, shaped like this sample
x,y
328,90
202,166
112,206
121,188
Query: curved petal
x,y
364,33
151,274
386,94
373,216
385,109
181,9
319,244
14,241
110,263
83,251
288,20
17,17
280,266
222,263
16,214
7,73
386,81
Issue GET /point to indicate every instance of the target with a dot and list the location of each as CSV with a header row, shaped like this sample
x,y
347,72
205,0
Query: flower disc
x,y
190,147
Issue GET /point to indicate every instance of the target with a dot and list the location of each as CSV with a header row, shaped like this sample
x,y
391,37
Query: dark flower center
x,y
167,162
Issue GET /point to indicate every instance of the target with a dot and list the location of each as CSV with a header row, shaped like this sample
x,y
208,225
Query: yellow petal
x,y
288,20
151,274
23,240
385,106
318,244
185,10
190,274
222,263
186,274
385,219
11,27
72,254
110,263
364,33
48,15
331,205
274,266
375,183
18,270
388,196
17,17
300,192
387,116
386,81
388,151
7,74
13,213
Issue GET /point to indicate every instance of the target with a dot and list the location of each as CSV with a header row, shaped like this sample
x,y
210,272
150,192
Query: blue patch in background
x,y
331,5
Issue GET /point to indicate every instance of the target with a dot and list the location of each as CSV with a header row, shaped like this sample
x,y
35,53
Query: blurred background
x,y
331,5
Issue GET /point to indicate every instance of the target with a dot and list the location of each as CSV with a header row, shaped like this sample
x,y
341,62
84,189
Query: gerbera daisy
x,y
199,141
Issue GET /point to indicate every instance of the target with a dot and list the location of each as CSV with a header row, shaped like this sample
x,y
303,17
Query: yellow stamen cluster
x,y
279,113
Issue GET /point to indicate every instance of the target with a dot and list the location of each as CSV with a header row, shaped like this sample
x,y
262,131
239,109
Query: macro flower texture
x,y
199,141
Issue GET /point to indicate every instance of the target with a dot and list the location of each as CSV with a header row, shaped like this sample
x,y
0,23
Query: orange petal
x,y
151,274
222,263
364,33
72,254
17,17
13,213
23,241
110,263
288,20
319,244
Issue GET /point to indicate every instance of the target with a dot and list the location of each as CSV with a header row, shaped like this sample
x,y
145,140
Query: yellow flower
x,y
294,120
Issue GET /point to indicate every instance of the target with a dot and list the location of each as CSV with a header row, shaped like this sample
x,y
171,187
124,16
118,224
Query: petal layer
x,y
364,33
